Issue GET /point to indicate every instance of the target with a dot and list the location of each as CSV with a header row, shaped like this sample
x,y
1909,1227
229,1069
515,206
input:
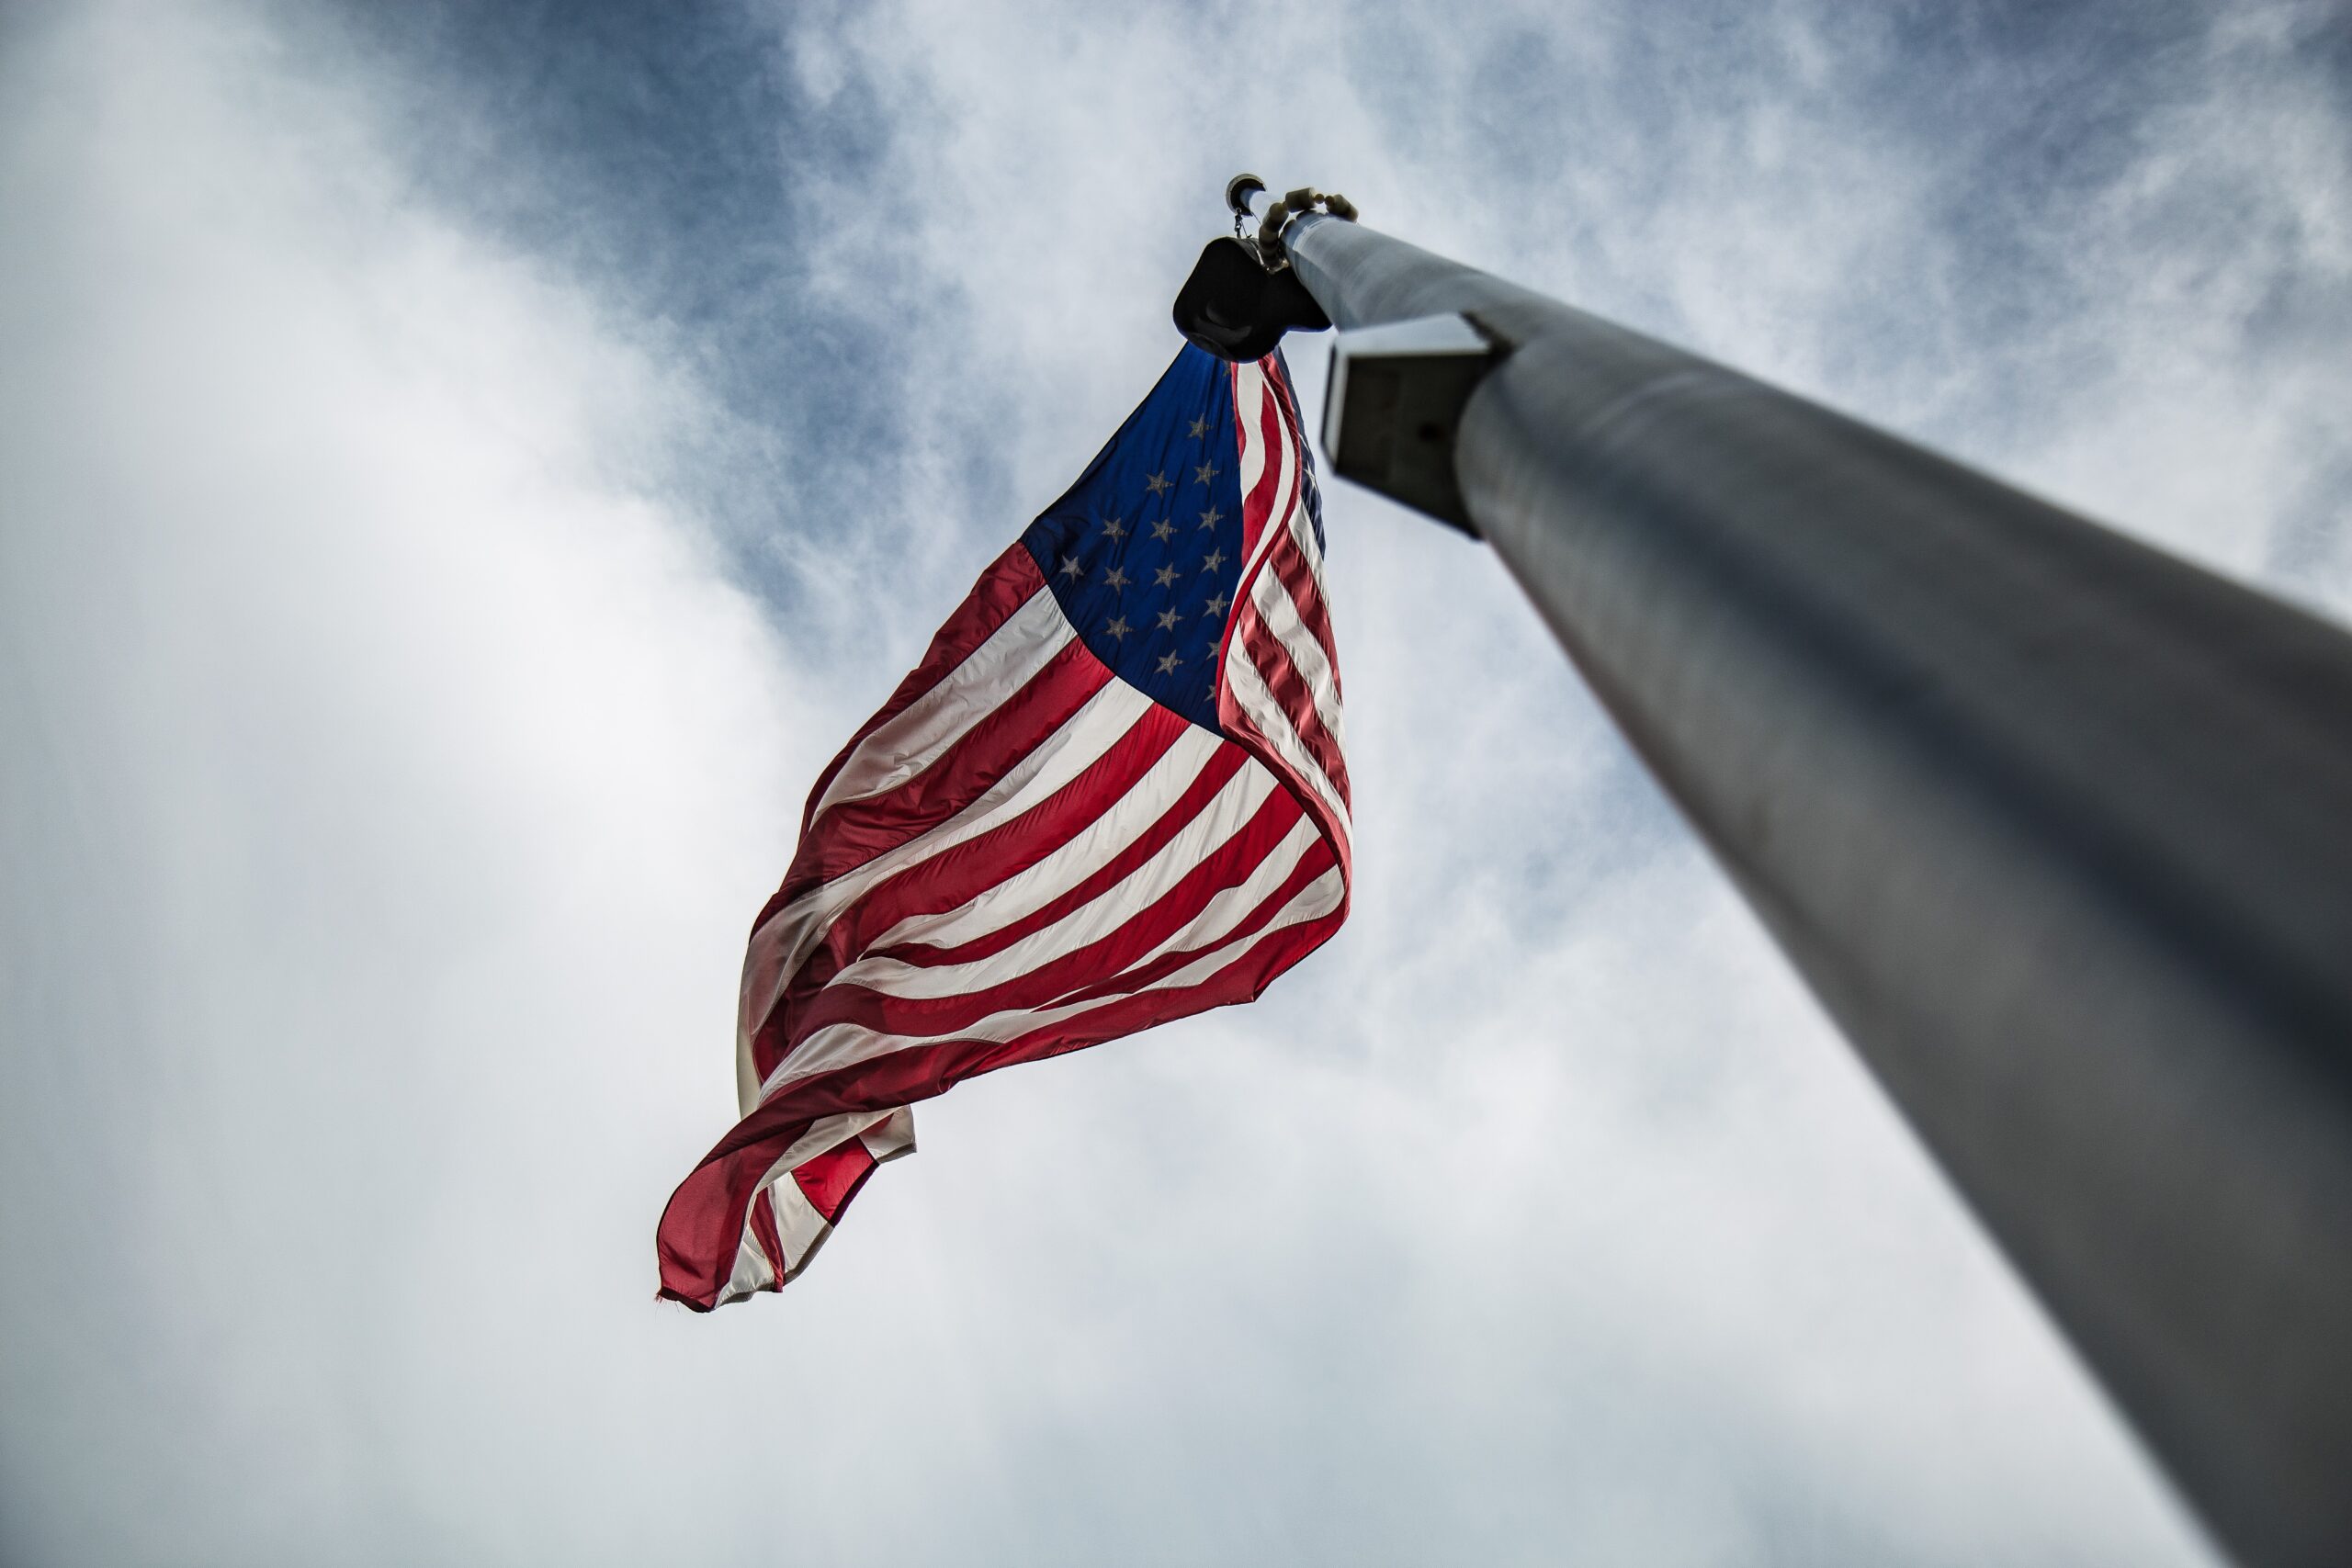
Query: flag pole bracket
x,y
1242,296
1393,403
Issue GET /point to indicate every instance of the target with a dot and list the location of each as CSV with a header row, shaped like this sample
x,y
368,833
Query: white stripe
x,y
1312,902
1088,851
1301,520
753,1273
1243,679
892,1137
1285,458
780,946
1232,904
1091,922
798,1227
1301,533
1278,611
843,1044
921,733
793,1210
1249,403
1258,705
825,1133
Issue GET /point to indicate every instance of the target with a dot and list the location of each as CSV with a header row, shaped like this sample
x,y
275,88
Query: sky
x,y
464,469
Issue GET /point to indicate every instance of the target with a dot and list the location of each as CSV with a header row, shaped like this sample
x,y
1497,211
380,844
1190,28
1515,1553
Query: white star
x,y
1156,484
1113,528
1115,577
1217,602
1168,618
1204,473
1200,427
1071,567
1211,560
1165,576
1116,629
1209,518
1168,665
1162,529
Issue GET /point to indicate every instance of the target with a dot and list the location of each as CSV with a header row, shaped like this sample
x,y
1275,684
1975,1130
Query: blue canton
x,y
1144,549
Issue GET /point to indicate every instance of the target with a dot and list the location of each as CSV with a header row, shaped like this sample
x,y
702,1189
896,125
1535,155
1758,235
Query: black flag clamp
x,y
1396,392
1243,295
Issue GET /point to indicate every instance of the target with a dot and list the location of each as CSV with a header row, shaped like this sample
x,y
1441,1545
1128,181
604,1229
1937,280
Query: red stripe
x,y
1284,555
1222,765
1316,861
1108,957
702,1226
1289,562
763,1223
1280,456
1255,520
704,1220
957,875
851,832
1278,376
831,1179
1244,729
1009,581
1291,693
1290,557
1260,501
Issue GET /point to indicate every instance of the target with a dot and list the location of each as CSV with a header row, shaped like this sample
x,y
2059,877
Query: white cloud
x,y
392,771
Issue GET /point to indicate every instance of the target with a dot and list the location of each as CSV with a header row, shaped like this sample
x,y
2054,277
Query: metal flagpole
x,y
2058,827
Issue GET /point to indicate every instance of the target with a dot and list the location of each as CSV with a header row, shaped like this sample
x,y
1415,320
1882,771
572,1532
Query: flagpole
x,y
2058,827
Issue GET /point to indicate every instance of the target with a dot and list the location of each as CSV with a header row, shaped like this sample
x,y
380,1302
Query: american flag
x,y
1112,794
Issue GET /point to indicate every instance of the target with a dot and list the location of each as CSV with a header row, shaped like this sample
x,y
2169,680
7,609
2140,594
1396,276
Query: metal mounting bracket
x,y
1395,399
